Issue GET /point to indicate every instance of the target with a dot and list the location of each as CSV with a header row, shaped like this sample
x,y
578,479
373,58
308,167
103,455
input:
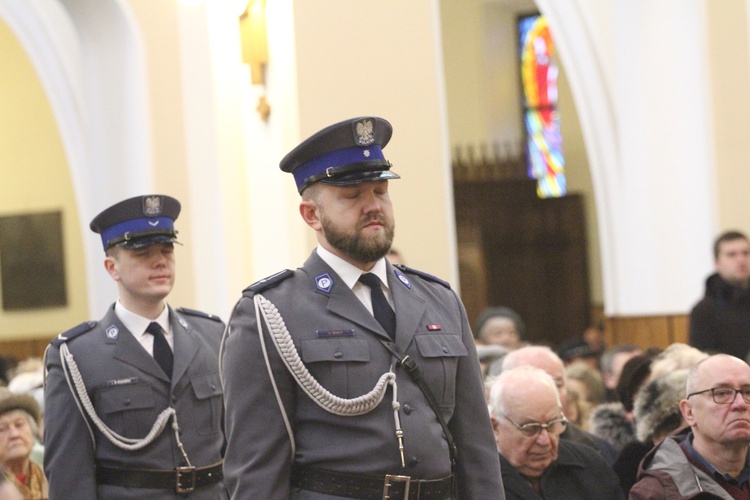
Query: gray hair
x,y
515,377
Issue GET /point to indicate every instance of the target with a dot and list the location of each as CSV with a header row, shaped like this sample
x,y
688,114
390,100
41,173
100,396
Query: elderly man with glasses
x,y
710,458
527,419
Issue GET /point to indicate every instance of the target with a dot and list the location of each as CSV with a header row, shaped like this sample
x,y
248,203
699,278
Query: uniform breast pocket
x,y
336,363
440,354
129,410
208,407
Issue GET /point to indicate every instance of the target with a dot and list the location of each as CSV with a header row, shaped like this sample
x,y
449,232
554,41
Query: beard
x,y
356,246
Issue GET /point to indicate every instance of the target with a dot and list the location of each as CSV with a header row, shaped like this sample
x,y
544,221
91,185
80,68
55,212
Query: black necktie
x,y
162,351
381,309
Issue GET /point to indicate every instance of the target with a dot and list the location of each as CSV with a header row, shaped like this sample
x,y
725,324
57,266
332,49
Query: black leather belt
x,y
390,487
181,479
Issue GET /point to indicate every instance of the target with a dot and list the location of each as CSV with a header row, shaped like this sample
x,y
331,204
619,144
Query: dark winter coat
x,y
720,322
579,473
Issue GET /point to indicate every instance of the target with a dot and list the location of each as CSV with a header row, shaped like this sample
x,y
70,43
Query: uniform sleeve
x,y
68,449
478,463
258,456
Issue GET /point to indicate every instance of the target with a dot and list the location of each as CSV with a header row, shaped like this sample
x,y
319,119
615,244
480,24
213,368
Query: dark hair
x,y
609,354
727,236
500,312
634,373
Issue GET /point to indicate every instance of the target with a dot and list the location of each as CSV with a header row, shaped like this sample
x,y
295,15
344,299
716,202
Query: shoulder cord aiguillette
x,y
77,386
284,344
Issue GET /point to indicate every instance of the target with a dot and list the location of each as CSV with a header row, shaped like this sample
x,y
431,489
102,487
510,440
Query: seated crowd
x,y
667,424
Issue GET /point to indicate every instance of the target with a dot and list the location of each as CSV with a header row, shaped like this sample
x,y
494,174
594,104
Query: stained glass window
x,y
539,83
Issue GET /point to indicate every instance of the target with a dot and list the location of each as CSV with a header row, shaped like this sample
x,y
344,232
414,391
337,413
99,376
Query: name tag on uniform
x,y
334,333
123,381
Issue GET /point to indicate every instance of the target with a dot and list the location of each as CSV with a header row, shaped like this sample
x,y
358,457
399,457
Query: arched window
x,y
539,85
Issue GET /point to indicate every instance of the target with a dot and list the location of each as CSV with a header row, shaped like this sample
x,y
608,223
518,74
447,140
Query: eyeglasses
x,y
554,427
726,395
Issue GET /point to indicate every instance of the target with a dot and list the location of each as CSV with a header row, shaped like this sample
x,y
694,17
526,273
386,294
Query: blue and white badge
x,y
402,278
324,282
112,332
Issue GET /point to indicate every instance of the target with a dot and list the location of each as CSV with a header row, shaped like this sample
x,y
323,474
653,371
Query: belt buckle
x,y
393,478
180,474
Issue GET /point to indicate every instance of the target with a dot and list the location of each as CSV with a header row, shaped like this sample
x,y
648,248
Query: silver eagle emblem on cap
x,y
152,205
365,133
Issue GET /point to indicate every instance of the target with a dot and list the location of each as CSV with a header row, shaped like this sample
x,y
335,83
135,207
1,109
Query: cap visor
x,y
147,241
360,177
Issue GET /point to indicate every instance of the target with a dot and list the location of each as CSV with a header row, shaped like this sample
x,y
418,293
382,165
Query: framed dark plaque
x,y
32,262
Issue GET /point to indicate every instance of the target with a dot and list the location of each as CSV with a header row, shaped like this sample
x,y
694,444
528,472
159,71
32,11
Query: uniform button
x,y
213,387
338,354
126,402
445,350
408,409
413,461
174,398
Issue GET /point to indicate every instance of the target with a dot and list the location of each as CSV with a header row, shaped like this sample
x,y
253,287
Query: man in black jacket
x,y
720,322
527,420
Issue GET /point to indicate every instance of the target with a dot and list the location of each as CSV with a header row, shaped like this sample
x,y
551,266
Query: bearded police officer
x,y
134,401
351,377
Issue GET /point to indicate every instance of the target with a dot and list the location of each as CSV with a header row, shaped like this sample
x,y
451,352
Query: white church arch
x,y
89,59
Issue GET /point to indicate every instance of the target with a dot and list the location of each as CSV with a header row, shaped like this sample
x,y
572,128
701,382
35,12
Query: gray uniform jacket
x,y
129,390
337,339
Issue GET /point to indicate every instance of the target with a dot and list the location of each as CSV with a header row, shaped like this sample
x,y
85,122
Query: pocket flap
x,y
126,398
440,346
207,386
336,349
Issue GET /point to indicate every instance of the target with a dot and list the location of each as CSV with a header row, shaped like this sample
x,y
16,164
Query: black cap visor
x,y
133,242
354,178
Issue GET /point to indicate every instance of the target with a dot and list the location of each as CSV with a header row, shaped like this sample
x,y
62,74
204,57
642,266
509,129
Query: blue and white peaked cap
x,y
343,154
138,222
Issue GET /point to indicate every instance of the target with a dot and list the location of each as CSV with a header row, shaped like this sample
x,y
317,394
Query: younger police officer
x,y
133,401
320,402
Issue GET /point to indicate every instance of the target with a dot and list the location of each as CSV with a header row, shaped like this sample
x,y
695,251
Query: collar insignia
x,y
402,278
112,332
324,283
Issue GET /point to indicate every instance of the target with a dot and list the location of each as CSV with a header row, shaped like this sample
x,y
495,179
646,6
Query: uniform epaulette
x,y
269,282
74,332
422,274
200,314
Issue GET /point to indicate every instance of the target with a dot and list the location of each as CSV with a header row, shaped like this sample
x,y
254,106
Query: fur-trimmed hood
x,y
610,422
657,405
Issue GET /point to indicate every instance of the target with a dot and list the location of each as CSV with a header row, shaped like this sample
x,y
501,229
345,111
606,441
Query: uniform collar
x,y
350,273
137,324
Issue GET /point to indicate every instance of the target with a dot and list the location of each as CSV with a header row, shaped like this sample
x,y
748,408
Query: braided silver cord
x,y
73,375
326,400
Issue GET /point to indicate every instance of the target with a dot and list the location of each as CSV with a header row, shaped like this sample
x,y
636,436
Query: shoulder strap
x,y
268,282
199,314
422,274
415,372
74,332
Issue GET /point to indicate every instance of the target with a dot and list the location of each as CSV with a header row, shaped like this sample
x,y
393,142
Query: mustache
x,y
372,217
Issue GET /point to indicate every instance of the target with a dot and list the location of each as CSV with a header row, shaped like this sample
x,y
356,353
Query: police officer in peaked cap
x,y
134,401
316,362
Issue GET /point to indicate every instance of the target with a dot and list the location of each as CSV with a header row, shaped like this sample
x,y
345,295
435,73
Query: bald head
x,y
708,372
541,357
519,387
